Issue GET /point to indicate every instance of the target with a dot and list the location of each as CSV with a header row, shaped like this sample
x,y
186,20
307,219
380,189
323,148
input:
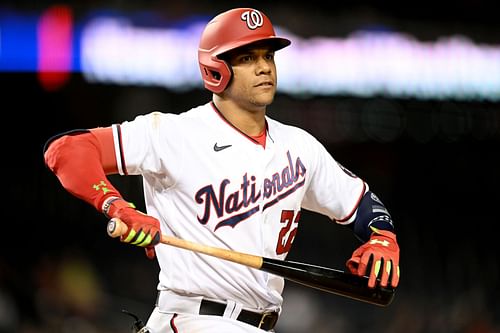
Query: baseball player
x,y
224,174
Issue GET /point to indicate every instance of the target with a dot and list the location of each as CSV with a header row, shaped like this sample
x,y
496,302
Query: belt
x,y
265,321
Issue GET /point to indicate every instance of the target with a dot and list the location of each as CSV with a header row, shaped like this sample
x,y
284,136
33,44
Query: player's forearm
x,y
371,213
76,161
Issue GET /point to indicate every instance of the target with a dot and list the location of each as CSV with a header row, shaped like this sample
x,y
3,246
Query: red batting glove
x,y
383,251
143,230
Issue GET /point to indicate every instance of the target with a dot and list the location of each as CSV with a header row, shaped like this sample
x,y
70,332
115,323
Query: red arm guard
x,y
80,160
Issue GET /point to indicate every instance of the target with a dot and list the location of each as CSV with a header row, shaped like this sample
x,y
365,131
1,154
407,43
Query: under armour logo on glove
x,y
381,251
376,241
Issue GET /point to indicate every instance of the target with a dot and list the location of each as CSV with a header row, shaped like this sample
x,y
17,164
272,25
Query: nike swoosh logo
x,y
219,148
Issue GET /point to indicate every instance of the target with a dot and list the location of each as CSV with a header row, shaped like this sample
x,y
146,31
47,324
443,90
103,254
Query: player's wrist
x,y
112,205
384,233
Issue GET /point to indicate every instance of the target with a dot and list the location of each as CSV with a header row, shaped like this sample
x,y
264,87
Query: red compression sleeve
x,y
107,148
77,161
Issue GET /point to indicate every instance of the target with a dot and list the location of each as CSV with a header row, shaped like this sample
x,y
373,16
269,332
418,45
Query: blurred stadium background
x,y
407,96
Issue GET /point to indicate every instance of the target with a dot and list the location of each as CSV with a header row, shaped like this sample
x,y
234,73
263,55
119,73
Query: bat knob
x,y
111,227
116,227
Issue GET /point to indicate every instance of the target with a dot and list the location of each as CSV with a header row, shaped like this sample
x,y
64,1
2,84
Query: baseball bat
x,y
322,278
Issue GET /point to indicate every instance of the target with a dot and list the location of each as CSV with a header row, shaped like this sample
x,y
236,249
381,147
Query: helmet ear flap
x,y
216,74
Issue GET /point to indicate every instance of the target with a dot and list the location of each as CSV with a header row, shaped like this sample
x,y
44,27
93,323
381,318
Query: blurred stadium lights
x,y
54,46
111,48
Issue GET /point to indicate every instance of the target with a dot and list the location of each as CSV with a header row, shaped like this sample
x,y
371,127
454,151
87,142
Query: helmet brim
x,y
276,43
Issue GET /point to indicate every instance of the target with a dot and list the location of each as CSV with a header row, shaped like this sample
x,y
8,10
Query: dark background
x,y
433,163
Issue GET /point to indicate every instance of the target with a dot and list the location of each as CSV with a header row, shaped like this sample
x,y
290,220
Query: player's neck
x,y
250,122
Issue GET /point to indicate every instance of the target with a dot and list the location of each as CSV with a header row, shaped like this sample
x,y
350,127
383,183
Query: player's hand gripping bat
x,y
326,279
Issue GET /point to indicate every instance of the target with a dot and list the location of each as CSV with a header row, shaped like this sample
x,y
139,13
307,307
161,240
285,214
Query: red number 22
x,y
287,233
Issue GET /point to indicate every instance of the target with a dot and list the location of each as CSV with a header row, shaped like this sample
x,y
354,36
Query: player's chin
x,y
262,102
264,97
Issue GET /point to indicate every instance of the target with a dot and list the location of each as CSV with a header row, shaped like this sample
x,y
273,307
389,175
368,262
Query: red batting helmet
x,y
227,31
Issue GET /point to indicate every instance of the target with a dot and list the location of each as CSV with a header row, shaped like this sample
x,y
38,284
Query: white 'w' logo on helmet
x,y
253,19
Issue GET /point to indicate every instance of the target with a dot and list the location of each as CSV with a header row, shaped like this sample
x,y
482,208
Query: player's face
x,y
253,85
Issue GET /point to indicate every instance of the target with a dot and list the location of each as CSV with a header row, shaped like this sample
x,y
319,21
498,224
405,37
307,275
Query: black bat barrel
x,y
329,280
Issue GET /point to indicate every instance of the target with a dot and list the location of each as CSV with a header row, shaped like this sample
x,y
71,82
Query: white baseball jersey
x,y
209,183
